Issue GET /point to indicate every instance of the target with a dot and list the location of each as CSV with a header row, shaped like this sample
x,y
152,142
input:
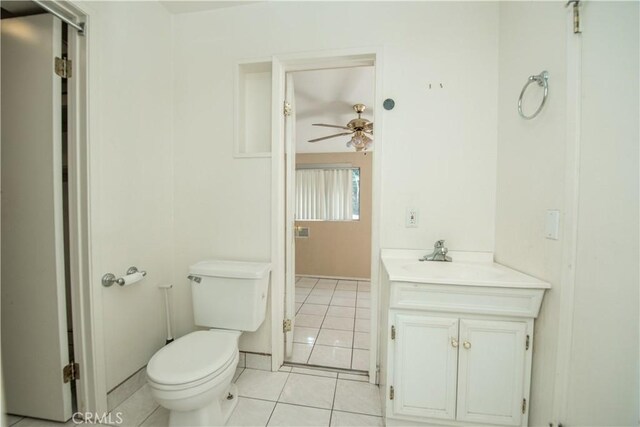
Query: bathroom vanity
x,y
456,340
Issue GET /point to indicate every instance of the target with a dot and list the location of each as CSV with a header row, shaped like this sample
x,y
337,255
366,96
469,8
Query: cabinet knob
x,y
454,343
466,344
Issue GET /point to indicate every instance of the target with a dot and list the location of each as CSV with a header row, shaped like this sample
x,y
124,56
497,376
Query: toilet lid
x,y
193,357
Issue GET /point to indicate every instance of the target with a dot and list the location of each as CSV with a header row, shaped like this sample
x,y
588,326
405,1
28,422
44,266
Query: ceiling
x,y
189,6
21,7
328,96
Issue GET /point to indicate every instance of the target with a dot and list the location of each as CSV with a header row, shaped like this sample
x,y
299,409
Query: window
x,y
328,194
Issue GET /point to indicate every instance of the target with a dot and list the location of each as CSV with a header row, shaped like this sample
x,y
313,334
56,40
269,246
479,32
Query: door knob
x,y
454,343
466,345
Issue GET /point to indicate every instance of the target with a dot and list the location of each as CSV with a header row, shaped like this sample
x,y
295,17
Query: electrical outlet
x,y
411,218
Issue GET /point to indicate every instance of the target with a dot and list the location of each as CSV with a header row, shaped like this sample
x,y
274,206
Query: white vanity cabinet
x,y
454,352
460,369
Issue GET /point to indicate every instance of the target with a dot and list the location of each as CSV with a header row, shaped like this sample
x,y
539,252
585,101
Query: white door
x,y
491,371
290,187
34,327
425,364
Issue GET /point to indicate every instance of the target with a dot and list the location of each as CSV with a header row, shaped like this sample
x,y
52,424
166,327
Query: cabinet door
x,y
424,377
491,371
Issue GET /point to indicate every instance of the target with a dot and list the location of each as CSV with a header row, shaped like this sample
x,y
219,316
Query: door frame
x,y
280,246
570,226
86,301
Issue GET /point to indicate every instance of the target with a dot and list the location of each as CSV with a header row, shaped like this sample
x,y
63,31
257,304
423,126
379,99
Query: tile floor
x,y
332,323
291,397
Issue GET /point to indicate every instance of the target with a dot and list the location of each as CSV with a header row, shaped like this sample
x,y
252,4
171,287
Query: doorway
x,y
329,210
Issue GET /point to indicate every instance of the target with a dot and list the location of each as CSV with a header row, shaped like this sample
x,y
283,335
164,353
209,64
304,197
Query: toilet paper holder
x,y
110,278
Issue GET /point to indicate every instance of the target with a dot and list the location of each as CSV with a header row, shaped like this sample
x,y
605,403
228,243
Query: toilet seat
x,y
193,359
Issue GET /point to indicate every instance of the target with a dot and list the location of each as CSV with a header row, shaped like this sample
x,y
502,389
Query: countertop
x,y
467,268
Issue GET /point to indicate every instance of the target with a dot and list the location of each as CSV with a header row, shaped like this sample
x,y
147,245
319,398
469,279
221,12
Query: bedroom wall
x,y
338,248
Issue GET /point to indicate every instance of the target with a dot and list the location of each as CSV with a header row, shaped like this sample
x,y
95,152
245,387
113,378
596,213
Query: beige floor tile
x,y
305,335
363,313
358,397
286,415
322,299
251,412
347,285
337,311
360,360
335,357
309,390
345,294
261,384
335,338
361,340
363,325
309,320
315,309
300,353
341,323
159,418
347,419
137,407
343,302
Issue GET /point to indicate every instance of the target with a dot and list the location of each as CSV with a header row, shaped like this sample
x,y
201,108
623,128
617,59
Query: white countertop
x,y
467,268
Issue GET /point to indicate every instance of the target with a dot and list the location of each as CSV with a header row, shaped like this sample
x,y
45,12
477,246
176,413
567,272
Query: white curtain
x,y
324,194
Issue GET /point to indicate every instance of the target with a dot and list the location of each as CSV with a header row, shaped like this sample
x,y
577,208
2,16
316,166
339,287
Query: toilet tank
x,y
229,294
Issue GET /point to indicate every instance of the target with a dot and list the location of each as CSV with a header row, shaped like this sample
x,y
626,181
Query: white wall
x,y
439,145
531,168
603,357
131,175
603,369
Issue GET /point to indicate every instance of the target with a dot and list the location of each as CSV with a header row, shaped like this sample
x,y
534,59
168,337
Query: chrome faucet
x,y
439,253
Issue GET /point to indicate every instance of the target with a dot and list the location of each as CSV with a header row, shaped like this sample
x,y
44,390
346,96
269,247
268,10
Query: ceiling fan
x,y
361,130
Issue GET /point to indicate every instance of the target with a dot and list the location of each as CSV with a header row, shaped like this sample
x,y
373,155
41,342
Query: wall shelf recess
x,y
253,109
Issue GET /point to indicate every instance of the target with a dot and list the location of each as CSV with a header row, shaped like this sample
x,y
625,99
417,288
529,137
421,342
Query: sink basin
x,y
455,270
458,273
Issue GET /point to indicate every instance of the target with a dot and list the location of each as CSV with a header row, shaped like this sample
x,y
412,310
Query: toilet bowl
x,y
191,376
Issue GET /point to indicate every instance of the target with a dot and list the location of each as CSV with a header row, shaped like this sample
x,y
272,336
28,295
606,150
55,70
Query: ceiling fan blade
x,y
369,126
330,126
330,136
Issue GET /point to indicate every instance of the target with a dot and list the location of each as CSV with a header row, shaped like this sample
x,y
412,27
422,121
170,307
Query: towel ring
x,y
543,80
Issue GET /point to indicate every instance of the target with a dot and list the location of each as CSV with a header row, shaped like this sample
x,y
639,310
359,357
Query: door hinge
x,y
71,372
524,405
287,109
286,325
63,67
392,393
576,15
393,332
526,344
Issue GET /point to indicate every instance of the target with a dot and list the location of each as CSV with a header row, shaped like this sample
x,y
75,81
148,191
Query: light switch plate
x,y
411,218
552,224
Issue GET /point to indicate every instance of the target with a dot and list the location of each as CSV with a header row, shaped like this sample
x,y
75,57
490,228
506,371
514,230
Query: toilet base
x,y
215,414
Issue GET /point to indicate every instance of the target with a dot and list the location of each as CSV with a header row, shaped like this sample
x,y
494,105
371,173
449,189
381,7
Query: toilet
x,y
191,377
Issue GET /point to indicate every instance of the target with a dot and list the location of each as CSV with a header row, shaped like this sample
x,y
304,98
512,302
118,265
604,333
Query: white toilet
x,y
191,377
